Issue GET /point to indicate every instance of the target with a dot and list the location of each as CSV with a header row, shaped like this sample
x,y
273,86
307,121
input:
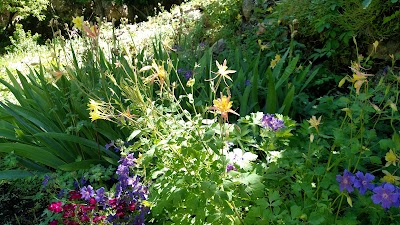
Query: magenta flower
x,y
363,182
54,222
386,195
55,207
346,181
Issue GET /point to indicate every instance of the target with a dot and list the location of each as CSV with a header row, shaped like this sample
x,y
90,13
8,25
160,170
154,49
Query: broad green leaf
x,y
287,72
37,154
309,79
14,174
295,211
271,94
133,135
287,103
81,165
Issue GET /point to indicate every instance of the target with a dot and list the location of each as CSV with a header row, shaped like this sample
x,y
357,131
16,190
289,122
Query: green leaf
x,y
85,164
37,154
133,135
288,71
14,174
316,218
287,103
295,211
271,94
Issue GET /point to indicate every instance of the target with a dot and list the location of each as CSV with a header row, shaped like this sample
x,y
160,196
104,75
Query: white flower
x,y
240,158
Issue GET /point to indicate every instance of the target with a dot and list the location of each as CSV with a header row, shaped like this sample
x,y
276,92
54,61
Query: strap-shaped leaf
x,y
33,153
14,174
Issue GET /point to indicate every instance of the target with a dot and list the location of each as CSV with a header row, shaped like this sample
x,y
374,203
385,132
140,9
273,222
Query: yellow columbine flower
x,y
94,115
390,158
389,178
78,22
275,61
223,106
359,78
262,46
159,73
314,122
96,110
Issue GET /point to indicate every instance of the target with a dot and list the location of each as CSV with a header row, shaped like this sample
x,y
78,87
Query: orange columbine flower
x,y
359,78
223,106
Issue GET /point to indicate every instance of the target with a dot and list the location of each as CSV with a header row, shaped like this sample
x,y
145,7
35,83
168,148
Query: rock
x,y
247,8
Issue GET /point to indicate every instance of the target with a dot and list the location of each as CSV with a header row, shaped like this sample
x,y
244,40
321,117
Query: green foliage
x,y
331,24
62,136
24,8
22,41
218,16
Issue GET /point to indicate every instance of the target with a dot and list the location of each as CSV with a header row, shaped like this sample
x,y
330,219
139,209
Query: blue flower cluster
x,y
270,121
386,194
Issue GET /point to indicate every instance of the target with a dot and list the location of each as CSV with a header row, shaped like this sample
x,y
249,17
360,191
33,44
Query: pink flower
x,y
73,195
55,207
54,222
92,201
132,206
98,218
84,218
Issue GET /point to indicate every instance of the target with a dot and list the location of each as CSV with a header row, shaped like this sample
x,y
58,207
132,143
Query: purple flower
x,y
61,193
230,167
76,185
270,121
87,192
100,195
181,71
83,181
111,144
363,182
346,181
386,195
247,83
188,74
45,180
202,45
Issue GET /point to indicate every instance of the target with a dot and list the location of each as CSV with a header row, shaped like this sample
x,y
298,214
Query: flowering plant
x,y
85,205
